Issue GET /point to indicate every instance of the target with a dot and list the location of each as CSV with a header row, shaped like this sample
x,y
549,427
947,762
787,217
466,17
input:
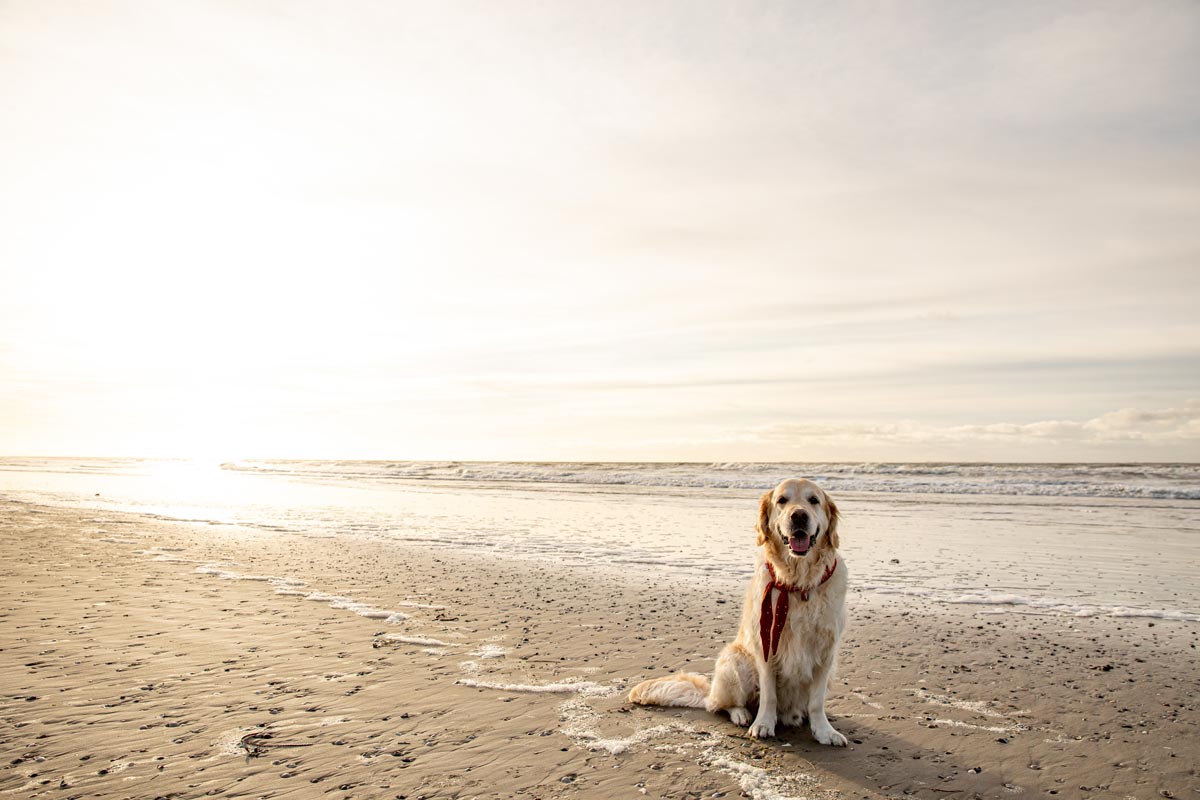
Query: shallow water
x,y
1144,481
1130,555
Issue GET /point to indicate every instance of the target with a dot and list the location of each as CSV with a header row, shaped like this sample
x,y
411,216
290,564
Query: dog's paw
x,y
827,735
794,720
762,729
739,716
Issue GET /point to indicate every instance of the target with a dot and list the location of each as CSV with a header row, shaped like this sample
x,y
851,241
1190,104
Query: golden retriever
x,y
792,619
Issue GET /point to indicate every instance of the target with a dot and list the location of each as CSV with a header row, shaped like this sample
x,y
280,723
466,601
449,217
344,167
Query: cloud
x,y
486,232
1177,427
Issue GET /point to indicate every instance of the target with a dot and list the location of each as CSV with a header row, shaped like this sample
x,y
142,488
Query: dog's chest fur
x,y
813,626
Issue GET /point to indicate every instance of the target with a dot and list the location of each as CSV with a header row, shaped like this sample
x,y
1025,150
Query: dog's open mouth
x,y
799,545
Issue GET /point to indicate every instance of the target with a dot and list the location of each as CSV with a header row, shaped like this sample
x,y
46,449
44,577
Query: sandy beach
x,y
147,658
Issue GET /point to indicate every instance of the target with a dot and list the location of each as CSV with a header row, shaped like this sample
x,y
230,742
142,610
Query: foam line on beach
x,y
954,723
362,609
1140,481
489,651
757,782
282,585
367,610
906,591
290,587
227,575
973,706
424,641
1006,601
164,554
583,688
580,723
616,745
1073,609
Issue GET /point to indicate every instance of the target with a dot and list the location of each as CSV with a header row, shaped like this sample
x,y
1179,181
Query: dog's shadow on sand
x,y
879,762
884,762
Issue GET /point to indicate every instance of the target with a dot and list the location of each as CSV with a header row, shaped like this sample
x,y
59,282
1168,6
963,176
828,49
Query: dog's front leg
x,y
822,731
764,724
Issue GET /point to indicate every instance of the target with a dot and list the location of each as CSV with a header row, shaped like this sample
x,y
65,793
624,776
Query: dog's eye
x,y
816,501
782,500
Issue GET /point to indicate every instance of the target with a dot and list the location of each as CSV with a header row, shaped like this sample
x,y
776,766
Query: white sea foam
x,y
1072,608
362,609
1126,611
757,782
365,609
907,591
215,571
290,587
1051,605
1145,481
489,651
954,723
990,600
583,688
229,575
161,554
418,640
580,723
973,706
617,745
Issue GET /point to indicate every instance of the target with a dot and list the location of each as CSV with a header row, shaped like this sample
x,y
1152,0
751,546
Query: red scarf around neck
x,y
771,621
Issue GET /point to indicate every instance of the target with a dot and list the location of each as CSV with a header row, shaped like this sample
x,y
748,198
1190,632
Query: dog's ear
x,y
834,516
764,517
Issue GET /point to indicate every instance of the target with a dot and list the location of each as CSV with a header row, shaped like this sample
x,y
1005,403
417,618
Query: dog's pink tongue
x,y
798,546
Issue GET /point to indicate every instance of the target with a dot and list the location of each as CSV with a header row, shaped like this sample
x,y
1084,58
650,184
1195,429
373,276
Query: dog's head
x,y
797,518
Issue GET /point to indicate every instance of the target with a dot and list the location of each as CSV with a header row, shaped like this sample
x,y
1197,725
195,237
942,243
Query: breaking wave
x,y
1135,481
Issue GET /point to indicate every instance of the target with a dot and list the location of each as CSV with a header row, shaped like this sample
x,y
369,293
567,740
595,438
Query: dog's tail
x,y
684,689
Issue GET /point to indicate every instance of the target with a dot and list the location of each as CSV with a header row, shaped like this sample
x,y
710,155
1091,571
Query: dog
x,y
792,620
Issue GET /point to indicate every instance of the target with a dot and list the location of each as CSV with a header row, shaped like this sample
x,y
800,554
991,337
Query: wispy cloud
x,y
1171,433
549,231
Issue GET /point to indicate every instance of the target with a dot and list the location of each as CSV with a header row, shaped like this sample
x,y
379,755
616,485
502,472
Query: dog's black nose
x,y
800,519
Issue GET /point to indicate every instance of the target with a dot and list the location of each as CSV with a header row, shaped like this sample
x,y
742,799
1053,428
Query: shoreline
x,y
501,678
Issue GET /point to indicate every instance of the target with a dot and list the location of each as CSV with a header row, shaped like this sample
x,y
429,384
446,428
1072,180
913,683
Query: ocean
x,y
1071,540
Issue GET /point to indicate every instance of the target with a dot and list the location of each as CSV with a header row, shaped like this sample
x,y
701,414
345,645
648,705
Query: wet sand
x,y
138,656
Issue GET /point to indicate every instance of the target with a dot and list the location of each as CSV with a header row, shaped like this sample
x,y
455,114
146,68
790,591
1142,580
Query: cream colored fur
x,y
790,687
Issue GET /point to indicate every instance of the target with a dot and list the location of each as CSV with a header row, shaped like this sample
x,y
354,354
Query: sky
x,y
601,231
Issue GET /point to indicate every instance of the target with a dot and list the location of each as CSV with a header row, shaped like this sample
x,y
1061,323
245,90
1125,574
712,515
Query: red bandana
x,y
771,620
